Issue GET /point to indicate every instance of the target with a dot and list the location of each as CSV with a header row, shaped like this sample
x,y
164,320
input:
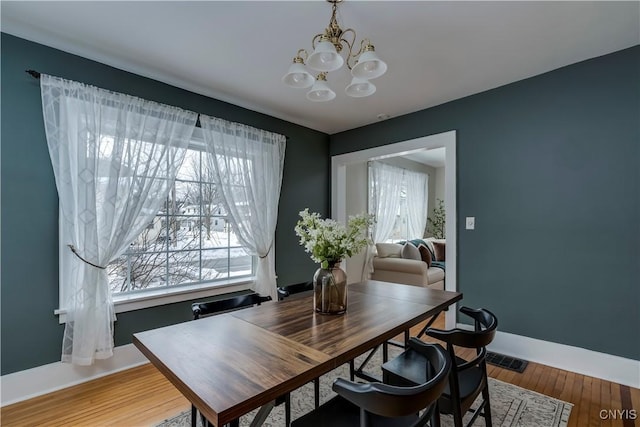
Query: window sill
x,y
124,303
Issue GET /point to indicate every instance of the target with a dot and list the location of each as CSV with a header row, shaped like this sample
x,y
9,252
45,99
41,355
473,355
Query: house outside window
x,y
189,242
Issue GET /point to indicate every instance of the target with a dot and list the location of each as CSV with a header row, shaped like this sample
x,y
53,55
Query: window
x,y
400,226
398,198
189,242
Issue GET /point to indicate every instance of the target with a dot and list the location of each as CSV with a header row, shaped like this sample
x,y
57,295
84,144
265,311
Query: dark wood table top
x,y
230,364
439,300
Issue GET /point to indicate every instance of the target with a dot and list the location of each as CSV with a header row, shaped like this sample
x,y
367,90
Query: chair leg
x,y
352,370
487,406
435,417
457,415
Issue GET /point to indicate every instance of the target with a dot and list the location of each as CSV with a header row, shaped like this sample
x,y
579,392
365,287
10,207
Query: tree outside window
x,y
189,240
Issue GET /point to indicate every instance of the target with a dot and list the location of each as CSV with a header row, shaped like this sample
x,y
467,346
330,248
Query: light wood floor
x,y
142,397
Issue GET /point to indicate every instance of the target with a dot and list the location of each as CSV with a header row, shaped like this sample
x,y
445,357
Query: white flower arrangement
x,y
329,241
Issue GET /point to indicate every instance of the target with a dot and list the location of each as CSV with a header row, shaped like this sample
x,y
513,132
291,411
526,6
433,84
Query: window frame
x,y
136,300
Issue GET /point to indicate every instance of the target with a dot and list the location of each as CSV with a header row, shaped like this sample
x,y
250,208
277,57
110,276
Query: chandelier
x,y
327,47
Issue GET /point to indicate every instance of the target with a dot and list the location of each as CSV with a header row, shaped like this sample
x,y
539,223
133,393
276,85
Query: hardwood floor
x,y
143,397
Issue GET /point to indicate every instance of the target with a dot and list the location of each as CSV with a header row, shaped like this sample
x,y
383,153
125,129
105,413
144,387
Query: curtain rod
x,y
36,75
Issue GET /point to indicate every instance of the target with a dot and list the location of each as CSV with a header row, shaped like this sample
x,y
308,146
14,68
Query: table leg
x,y
359,372
262,414
428,325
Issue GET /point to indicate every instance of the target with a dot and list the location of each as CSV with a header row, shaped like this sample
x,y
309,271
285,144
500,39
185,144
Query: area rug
x,y
511,406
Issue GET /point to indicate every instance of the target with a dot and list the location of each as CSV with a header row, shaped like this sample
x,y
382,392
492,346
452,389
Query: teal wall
x,y
30,333
549,166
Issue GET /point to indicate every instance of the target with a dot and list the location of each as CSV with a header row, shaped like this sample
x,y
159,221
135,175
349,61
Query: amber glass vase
x,y
330,290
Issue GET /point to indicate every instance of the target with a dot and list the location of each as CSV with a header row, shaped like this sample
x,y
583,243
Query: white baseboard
x,y
575,359
44,379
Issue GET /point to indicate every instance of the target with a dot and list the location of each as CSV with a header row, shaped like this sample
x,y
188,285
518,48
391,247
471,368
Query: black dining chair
x,y
285,291
211,308
468,379
383,405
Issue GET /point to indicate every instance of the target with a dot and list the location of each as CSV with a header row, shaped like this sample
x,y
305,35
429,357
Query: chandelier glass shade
x,y
320,91
298,76
359,88
326,57
369,66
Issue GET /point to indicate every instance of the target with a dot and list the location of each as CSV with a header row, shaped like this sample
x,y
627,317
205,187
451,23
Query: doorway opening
x,y
343,193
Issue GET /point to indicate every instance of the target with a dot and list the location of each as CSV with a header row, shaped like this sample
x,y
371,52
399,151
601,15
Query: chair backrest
x,y
285,291
396,401
486,324
209,308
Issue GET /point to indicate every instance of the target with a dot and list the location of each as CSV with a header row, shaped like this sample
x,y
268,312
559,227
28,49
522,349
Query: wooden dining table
x,y
229,364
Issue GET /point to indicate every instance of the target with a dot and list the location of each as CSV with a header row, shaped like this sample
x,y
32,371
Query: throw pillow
x,y
425,254
410,252
429,243
439,249
389,250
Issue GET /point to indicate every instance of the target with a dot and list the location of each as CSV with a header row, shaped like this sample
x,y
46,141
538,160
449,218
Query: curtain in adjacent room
x,y
416,184
248,164
385,184
384,201
115,158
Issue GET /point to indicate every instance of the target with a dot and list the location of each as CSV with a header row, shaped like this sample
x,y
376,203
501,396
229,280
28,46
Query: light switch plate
x,y
471,223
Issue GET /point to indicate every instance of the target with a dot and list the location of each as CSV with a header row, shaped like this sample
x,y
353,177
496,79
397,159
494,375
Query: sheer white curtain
x,y
115,158
417,202
248,164
385,184
384,198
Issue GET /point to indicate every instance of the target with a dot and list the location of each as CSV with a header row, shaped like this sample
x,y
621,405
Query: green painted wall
x,y
549,166
30,333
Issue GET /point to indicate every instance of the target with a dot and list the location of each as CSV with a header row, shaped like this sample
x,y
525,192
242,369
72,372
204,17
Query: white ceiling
x,y
237,51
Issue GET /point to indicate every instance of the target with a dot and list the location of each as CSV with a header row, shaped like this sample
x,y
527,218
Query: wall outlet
x,y
471,223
